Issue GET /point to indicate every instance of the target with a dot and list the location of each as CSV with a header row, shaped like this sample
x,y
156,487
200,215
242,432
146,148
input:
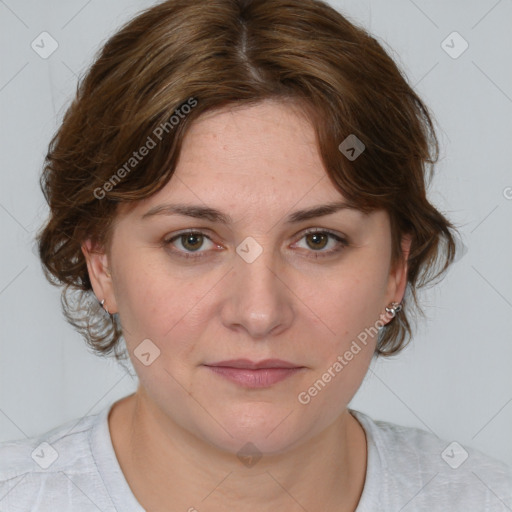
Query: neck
x,y
164,463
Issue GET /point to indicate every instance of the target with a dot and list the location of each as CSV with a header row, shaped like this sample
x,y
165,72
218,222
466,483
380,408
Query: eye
x,y
317,240
189,244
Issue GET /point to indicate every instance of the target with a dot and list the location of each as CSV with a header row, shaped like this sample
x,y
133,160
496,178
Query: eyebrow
x,y
213,215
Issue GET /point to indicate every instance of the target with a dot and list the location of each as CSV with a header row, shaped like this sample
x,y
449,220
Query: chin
x,y
270,434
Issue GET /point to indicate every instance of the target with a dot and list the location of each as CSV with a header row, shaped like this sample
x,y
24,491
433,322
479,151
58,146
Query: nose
x,y
257,299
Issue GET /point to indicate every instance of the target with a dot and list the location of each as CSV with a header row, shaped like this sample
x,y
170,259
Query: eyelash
x,y
201,254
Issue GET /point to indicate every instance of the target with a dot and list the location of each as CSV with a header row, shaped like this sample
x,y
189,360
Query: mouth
x,y
252,374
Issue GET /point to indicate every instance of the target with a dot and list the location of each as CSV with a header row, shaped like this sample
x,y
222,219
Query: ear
x,y
99,274
398,274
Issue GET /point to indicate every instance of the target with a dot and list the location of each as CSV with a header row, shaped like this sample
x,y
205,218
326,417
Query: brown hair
x,y
225,52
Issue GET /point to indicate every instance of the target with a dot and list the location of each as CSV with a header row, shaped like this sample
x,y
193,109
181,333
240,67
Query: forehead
x,y
261,159
252,129
271,142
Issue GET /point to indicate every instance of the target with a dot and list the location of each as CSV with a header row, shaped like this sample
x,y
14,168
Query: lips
x,y
251,374
251,365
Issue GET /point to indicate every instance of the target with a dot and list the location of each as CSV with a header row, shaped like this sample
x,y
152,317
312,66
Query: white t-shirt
x,y
74,468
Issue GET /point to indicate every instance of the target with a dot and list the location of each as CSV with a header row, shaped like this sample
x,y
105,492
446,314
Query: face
x,y
254,280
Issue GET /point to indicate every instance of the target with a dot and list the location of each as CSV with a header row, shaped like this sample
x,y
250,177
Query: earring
x,y
104,307
102,304
394,308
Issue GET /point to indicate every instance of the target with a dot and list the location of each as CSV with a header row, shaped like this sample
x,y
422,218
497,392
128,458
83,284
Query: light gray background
x,y
455,377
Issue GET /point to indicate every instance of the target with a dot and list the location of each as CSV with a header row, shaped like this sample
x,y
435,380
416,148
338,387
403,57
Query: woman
x,y
241,187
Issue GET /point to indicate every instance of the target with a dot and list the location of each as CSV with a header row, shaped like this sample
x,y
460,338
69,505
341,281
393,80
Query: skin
x,y
177,437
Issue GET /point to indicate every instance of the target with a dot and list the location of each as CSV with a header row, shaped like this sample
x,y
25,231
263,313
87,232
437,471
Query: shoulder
x,y
429,471
47,469
59,449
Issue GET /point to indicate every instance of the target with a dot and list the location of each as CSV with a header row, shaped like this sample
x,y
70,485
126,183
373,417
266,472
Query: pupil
x,y
189,241
318,238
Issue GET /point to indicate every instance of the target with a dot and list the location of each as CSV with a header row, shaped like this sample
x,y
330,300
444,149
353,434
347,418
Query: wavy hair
x,y
227,52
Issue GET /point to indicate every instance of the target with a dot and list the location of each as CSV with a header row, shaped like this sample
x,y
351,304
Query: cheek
x,y
350,306
144,297
167,308
350,301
